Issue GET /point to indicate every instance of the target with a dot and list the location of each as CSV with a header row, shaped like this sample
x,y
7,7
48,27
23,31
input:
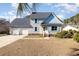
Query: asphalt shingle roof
x,y
21,23
25,22
52,19
39,15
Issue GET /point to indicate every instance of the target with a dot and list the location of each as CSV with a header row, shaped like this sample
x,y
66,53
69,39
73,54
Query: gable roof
x,y
52,19
39,15
21,23
48,17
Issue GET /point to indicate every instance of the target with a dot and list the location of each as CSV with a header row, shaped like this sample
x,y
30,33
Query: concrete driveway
x,y
8,39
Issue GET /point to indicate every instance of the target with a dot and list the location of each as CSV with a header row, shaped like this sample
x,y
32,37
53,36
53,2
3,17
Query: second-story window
x,y
35,20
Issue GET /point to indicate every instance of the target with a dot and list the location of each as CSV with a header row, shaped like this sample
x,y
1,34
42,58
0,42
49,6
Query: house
x,y
71,27
4,26
20,26
36,23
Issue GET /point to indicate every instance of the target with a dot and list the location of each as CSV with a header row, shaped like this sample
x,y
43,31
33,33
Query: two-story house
x,y
36,23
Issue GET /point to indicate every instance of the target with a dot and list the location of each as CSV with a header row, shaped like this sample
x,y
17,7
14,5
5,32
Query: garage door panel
x,y
16,31
20,31
25,32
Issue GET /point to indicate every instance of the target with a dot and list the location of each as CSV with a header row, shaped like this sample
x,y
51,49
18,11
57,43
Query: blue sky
x,y
63,11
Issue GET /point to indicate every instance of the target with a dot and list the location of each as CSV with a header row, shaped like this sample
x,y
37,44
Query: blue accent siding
x,y
48,19
58,29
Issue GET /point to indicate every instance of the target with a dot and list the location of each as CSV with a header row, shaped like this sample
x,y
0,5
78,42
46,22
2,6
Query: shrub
x,y
76,37
61,34
65,34
68,35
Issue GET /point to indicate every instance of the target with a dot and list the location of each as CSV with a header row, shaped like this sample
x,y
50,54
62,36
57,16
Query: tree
x,y
72,20
22,7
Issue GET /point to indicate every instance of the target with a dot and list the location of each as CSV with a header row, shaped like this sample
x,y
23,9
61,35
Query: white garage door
x,y
25,32
16,31
19,31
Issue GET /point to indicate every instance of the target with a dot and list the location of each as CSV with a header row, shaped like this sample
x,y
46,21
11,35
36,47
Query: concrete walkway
x,y
5,40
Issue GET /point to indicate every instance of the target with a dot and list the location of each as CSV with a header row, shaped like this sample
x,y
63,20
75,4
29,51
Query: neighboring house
x,y
4,26
71,27
36,23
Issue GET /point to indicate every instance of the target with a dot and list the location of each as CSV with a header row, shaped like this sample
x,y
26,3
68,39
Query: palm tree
x,y
23,7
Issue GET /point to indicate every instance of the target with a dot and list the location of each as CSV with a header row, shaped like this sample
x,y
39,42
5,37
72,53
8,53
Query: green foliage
x,y
76,37
65,34
25,7
72,20
68,35
61,34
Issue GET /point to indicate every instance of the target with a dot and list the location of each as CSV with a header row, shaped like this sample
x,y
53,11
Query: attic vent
x,y
33,12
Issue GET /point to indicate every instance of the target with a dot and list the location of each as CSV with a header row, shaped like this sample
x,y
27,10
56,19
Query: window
x,y
33,12
35,28
54,28
35,20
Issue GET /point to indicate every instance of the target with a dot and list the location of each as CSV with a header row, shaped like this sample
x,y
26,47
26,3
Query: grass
x,y
35,36
28,47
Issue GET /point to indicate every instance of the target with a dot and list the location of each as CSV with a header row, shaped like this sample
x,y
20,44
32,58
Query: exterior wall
x,y
55,31
40,29
32,30
19,31
38,25
27,31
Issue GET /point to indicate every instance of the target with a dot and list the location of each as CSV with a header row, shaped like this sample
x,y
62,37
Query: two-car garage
x,y
20,26
18,31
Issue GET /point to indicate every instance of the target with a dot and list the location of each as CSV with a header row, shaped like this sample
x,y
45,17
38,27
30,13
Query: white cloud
x,y
71,8
77,4
12,12
68,7
49,4
6,17
62,10
14,5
